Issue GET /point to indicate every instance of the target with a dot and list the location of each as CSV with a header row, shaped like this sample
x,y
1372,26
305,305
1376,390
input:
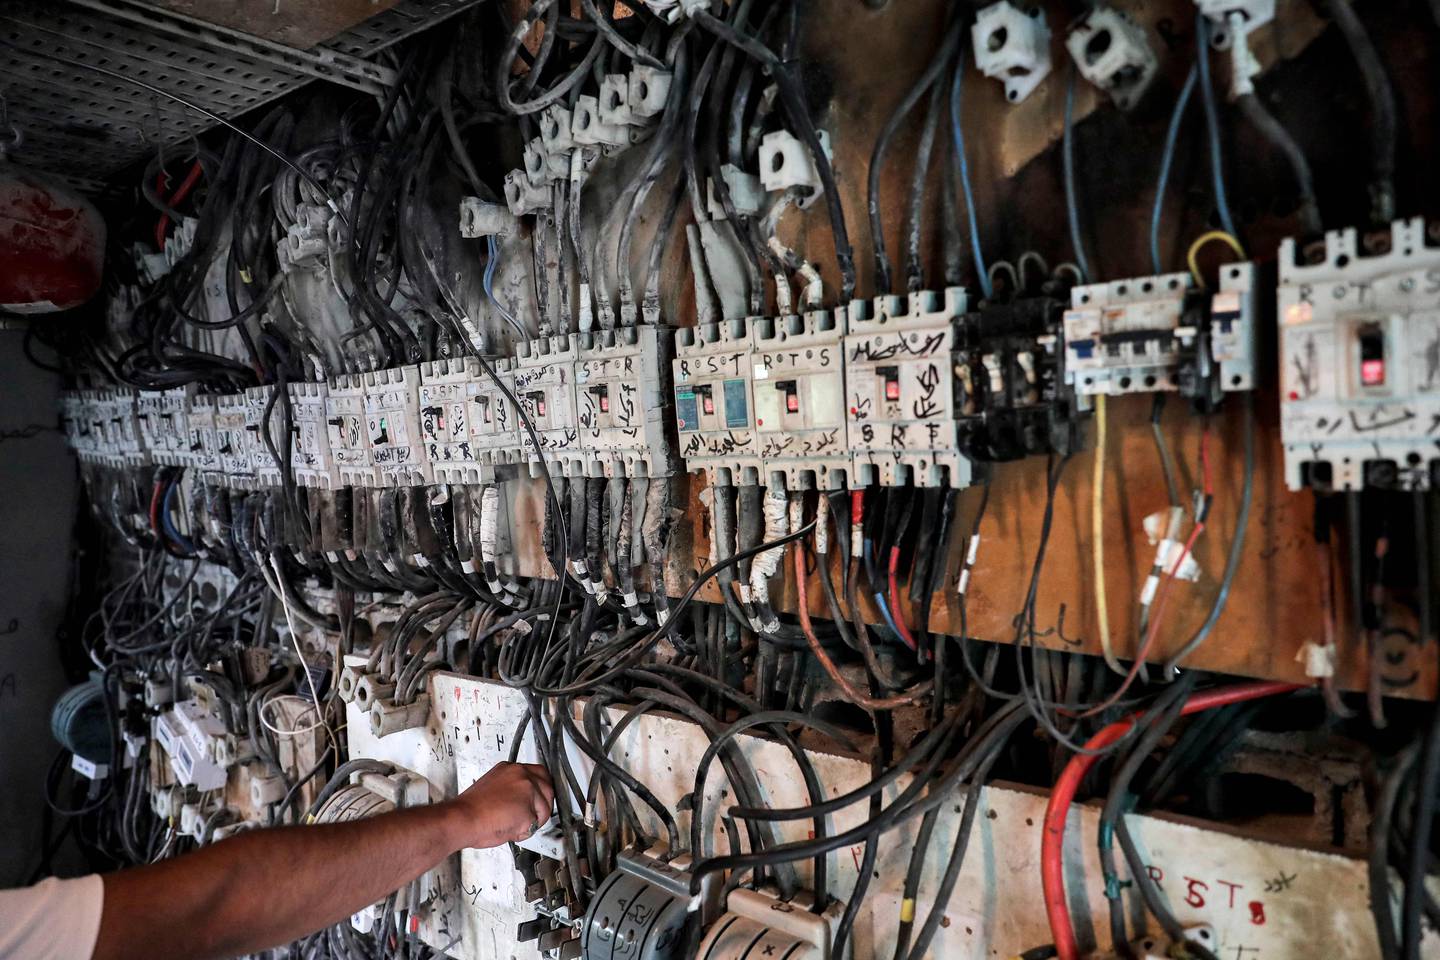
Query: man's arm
x,y
267,887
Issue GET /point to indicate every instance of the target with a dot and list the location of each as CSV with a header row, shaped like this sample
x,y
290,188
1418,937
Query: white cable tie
x,y
468,566
1147,595
973,551
964,582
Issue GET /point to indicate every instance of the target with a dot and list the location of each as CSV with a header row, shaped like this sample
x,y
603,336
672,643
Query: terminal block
x,y
1360,363
465,420
798,376
1015,399
901,396
310,458
714,406
1163,334
545,389
349,442
620,401
392,426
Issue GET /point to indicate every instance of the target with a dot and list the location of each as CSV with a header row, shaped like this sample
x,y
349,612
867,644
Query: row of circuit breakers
x,y
890,391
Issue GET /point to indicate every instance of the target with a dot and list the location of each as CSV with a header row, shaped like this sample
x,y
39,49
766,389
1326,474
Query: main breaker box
x,y
1360,363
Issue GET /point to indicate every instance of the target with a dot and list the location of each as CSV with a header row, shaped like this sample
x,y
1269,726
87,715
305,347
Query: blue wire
x,y
167,524
1212,123
491,263
1067,156
958,133
1172,136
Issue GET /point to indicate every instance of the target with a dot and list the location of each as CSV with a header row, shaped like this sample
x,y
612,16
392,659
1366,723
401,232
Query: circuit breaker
x,y
1360,363
163,417
1163,334
262,462
232,443
310,458
545,389
465,420
714,406
349,442
204,448
798,377
620,401
1011,372
900,388
392,427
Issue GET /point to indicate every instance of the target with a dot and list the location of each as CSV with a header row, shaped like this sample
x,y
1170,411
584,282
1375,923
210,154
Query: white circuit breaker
x,y
262,462
465,420
233,444
193,739
1163,334
620,401
900,390
310,459
714,406
203,454
545,389
392,427
757,924
164,423
349,442
798,379
1360,363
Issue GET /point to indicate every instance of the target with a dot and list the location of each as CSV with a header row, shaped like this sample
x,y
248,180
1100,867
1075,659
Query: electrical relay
x,y
901,397
1360,363
1163,334
1011,374
714,409
620,399
545,389
798,377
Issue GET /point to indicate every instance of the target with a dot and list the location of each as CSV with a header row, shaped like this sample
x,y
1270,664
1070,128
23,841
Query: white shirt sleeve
x,y
53,920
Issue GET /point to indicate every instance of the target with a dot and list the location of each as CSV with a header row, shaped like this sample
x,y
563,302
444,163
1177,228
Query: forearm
x,y
261,889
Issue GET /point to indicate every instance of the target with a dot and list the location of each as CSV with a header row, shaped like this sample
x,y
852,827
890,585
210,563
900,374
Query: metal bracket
x,y
321,63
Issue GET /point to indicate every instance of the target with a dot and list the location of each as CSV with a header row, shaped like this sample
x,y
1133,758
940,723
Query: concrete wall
x,y
37,507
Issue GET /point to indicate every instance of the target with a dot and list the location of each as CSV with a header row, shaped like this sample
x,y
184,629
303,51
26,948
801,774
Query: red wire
x,y
180,193
1052,838
1148,641
895,612
155,511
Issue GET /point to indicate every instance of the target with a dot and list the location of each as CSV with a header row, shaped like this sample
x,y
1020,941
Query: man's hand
x,y
509,803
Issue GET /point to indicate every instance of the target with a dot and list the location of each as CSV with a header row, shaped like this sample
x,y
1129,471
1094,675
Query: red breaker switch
x,y
891,376
1372,355
792,395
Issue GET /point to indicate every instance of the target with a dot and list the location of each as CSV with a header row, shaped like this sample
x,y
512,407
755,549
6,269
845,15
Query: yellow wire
x,y
1097,536
1201,241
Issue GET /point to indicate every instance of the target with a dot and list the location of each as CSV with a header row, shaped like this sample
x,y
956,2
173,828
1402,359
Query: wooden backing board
x,y
1275,607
